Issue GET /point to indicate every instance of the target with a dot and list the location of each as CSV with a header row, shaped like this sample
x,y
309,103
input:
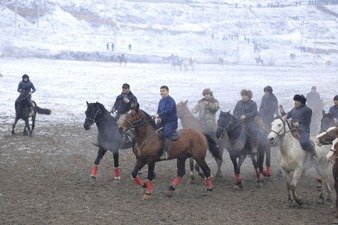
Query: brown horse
x,y
188,120
331,136
148,149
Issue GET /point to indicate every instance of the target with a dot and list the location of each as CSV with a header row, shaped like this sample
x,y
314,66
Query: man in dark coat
x,y
25,86
315,103
123,103
301,117
334,109
246,110
167,118
269,106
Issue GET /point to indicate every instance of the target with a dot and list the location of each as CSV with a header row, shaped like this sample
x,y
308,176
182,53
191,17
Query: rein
x,y
225,128
94,117
284,123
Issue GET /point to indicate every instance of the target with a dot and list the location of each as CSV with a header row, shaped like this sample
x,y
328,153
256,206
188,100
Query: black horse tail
x,y
213,148
43,111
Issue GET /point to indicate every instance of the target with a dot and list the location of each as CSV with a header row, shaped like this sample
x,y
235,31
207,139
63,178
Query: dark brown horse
x,y
188,120
148,149
331,136
25,109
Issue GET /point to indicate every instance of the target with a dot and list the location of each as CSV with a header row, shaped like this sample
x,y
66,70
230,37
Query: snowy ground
x,y
65,86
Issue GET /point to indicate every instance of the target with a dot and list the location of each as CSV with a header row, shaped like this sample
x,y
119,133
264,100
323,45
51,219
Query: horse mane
x,y
150,120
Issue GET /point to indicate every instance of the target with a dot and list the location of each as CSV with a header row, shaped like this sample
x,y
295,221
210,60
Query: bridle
x,y
95,115
134,124
285,131
224,129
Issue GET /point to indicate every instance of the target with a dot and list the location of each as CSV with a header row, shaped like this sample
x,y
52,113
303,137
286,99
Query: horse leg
x,y
177,179
117,169
293,185
191,166
268,171
219,162
335,177
238,178
99,156
288,185
27,127
33,125
323,183
14,124
206,170
149,183
138,166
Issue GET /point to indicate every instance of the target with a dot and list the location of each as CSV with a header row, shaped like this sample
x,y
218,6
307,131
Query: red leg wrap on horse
x,y
117,172
238,177
138,180
94,171
208,182
269,171
150,187
176,181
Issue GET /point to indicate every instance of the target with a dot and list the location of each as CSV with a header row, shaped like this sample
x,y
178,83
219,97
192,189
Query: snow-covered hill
x,y
203,29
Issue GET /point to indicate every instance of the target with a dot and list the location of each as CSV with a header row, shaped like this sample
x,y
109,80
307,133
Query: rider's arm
x,y
213,106
253,111
33,88
19,88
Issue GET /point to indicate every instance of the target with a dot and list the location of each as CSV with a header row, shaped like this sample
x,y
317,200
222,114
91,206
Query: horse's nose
x,y
86,126
271,139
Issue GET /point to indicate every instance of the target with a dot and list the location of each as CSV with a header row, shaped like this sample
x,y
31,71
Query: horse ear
x,y
87,103
185,102
137,106
229,111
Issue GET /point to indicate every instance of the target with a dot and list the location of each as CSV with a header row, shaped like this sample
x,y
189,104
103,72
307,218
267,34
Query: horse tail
x,y
213,148
43,111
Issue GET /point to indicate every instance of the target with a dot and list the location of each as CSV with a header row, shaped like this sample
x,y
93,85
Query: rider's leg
x,y
307,145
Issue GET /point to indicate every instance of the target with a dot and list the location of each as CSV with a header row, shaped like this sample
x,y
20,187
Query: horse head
x,y
326,137
279,127
134,118
92,114
182,109
225,123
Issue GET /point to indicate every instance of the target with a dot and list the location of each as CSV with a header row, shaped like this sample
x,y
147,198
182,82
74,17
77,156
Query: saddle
x,y
174,137
295,131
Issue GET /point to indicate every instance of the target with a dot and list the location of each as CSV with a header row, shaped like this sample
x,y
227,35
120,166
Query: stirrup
x,y
165,155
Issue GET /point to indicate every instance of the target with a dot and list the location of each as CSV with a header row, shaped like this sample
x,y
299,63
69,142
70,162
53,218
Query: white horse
x,y
292,158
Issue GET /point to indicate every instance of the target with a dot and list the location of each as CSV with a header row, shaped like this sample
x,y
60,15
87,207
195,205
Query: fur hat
x,y
25,76
268,89
125,86
247,93
314,88
207,91
299,98
335,98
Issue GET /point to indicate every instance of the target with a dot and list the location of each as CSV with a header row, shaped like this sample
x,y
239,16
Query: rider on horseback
x,y
206,109
246,110
334,109
269,106
167,118
24,87
123,103
301,117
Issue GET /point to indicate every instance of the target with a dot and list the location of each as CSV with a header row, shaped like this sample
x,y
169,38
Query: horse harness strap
x,y
147,139
94,117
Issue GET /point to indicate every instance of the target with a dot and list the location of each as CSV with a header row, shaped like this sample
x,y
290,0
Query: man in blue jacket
x,y
301,117
334,109
167,118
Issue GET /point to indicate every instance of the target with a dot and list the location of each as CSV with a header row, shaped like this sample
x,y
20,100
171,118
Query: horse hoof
x,y
259,184
117,178
146,196
335,221
93,177
210,189
169,193
12,132
299,202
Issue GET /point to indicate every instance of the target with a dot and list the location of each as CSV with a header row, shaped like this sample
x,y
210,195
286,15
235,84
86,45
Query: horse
x,y
331,136
108,137
24,109
259,61
293,160
149,147
326,122
122,59
239,144
188,120
177,62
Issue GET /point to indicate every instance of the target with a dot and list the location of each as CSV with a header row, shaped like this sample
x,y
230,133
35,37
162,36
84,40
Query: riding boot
x,y
313,153
166,148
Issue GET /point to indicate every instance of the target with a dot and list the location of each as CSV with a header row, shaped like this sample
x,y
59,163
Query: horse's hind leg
x,y
117,169
219,162
27,127
177,179
206,170
14,124
99,156
138,166
323,183
33,125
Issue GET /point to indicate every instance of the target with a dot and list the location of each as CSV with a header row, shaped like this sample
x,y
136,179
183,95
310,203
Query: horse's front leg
x,y
99,156
268,170
237,172
14,124
27,127
138,166
177,179
117,169
221,148
293,185
149,184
